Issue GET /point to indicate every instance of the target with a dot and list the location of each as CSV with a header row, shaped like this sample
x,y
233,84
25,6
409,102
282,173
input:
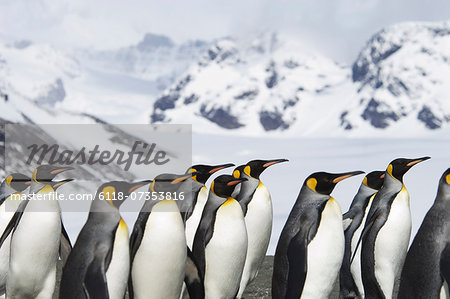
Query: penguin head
x,y
204,172
254,168
46,173
18,182
116,192
374,179
324,182
223,185
168,182
398,167
238,171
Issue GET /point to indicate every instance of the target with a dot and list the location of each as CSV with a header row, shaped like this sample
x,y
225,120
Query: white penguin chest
x,y
355,267
226,251
194,220
119,267
259,215
163,240
325,253
392,241
258,221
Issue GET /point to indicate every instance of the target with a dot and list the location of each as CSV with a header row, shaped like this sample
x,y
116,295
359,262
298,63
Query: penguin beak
x,y
413,162
183,178
236,181
273,162
220,167
56,185
27,183
138,185
346,175
58,170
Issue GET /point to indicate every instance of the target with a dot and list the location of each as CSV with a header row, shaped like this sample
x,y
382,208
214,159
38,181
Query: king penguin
x,y
220,244
102,248
158,243
10,195
350,275
311,246
421,275
38,239
256,203
199,196
386,233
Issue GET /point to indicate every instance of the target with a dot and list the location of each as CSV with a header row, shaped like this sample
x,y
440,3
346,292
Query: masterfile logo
x,y
99,153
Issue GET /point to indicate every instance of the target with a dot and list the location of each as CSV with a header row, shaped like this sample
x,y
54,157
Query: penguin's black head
x,y
374,179
237,172
223,186
254,168
18,182
324,182
398,167
46,173
204,172
116,192
168,182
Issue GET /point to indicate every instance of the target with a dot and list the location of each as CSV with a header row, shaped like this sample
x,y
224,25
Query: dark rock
x,y
378,114
247,95
344,122
362,65
166,102
429,119
272,120
221,117
272,80
190,99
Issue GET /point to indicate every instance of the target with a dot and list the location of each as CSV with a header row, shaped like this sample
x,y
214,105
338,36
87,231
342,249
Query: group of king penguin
x,y
212,244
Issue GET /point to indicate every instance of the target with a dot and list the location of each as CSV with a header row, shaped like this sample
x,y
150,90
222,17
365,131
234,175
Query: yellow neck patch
x,y
229,200
152,186
47,189
212,187
236,173
108,194
389,169
365,181
247,170
447,178
8,180
312,183
34,176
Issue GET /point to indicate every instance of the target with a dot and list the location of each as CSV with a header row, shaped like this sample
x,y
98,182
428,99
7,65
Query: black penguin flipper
x,y
14,221
65,247
3,194
369,223
202,237
135,242
445,263
297,259
192,278
95,285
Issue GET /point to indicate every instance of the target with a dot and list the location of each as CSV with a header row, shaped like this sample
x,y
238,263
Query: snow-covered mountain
x,y
403,75
275,86
269,85
117,86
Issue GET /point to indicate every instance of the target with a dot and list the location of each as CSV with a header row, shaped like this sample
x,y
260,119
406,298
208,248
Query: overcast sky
x,y
336,28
